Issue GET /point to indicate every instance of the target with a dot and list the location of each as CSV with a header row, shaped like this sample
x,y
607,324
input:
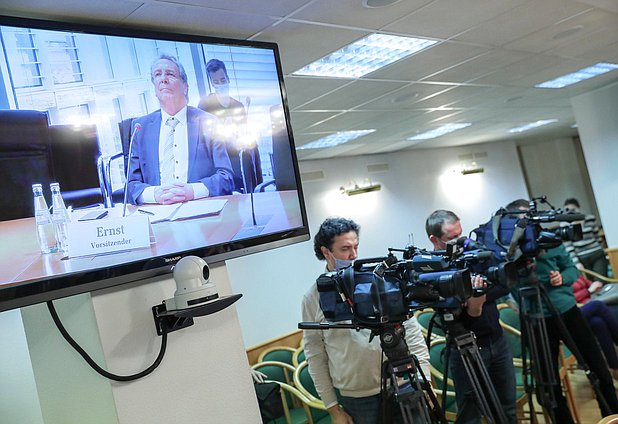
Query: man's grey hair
x,y
433,225
181,69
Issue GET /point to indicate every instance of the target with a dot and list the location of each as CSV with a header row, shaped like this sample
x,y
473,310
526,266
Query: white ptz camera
x,y
193,287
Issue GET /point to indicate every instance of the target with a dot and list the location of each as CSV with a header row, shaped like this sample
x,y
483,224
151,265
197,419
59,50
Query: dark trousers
x,y
589,348
498,359
605,327
366,410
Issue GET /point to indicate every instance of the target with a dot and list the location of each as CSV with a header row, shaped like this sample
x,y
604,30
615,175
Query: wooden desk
x,y
20,260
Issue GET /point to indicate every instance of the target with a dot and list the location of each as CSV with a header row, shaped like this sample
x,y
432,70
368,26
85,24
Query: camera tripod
x,y
400,370
535,343
399,373
484,391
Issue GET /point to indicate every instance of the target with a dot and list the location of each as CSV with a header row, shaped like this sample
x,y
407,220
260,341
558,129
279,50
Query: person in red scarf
x,y
601,318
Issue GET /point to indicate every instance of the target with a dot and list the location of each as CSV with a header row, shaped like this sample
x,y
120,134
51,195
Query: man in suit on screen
x,y
175,154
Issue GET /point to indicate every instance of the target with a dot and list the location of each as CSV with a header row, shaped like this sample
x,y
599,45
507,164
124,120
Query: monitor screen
x,y
163,145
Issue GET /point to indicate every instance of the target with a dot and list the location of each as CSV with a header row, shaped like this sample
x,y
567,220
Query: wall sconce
x,y
354,188
472,168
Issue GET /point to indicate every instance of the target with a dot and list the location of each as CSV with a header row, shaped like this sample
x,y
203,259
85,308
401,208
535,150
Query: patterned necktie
x,y
167,164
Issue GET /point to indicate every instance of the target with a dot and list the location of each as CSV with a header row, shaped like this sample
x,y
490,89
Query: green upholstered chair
x,y
304,383
277,353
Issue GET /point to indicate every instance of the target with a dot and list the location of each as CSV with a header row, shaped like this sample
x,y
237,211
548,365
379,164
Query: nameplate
x,y
108,235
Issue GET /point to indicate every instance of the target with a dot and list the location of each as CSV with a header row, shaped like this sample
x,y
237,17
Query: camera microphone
x,y
569,217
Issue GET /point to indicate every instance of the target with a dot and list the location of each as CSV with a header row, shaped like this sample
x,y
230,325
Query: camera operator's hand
x,y
339,416
555,278
474,305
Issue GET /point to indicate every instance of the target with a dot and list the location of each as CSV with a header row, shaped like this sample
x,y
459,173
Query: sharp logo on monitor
x,y
97,95
174,259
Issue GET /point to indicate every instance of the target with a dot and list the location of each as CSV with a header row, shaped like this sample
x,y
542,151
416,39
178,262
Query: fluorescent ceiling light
x,y
581,75
365,55
532,125
334,139
444,129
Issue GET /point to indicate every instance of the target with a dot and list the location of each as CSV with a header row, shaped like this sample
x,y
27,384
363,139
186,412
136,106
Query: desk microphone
x,y
136,129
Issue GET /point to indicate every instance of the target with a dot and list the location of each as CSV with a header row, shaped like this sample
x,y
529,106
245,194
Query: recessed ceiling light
x,y
373,4
532,125
365,56
444,129
577,76
334,139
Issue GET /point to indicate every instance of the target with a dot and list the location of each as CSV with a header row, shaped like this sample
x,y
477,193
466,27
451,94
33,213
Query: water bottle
x,y
60,218
44,225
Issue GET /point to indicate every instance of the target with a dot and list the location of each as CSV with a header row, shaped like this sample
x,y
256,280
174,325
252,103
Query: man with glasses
x,y
345,360
479,315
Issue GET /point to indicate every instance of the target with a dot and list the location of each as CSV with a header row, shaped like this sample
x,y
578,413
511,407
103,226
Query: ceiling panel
x,y
301,90
475,68
521,21
198,20
409,97
454,16
296,51
352,95
273,8
304,120
348,12
564,33
74,10
519,70
429,61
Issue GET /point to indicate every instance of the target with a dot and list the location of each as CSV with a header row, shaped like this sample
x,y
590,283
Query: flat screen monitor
x,y
89,107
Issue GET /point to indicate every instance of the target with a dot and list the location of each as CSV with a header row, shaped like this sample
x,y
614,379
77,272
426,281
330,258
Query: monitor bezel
x,y
20,294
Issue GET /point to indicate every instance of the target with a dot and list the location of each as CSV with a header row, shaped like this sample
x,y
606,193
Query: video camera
x,y
512,234
377,291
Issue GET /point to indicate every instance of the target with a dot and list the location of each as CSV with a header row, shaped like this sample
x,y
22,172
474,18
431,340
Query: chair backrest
x,y
25,159
278,353
295,406
437,367
299,356
509,316
304,383
75,154
275,370
424,318
282,160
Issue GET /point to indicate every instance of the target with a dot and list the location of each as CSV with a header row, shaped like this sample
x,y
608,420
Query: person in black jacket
x,y
479,315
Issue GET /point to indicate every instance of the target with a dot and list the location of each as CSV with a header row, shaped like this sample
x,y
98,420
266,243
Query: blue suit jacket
x,y
209,162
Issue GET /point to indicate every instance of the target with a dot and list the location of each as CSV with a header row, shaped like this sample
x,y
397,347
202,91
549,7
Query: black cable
x,y
93,364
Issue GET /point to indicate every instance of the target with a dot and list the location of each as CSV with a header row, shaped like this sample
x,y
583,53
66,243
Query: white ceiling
x,y
490,55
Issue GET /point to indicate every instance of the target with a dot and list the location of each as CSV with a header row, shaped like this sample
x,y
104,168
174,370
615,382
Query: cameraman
x,y
480,316
555,272
344,359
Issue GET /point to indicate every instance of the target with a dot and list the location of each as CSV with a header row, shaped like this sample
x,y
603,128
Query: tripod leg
x,y
485,394
535,344
570,342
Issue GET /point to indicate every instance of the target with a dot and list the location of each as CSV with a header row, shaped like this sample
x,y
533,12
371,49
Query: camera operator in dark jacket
x,y
480,315
554,271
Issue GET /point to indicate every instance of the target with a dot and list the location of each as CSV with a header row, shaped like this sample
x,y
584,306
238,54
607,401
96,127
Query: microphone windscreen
x,y
569,217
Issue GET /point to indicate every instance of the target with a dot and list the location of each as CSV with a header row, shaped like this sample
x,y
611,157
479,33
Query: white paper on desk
x,y
187,210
